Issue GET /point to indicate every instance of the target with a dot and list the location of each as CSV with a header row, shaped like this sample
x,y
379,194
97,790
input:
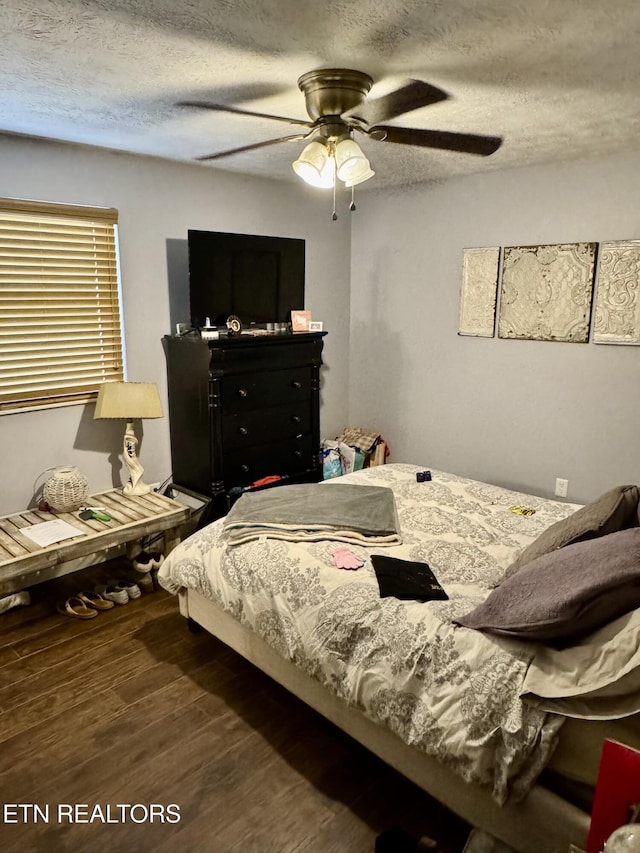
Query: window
x,y
60,320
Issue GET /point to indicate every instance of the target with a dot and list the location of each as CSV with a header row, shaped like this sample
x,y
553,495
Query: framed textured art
x,y
546,292
617,305
479,291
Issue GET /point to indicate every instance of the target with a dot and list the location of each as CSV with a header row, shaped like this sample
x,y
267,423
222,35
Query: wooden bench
x,y
23,563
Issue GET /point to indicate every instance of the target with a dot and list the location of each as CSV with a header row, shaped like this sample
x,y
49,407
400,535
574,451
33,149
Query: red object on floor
x,y
617,791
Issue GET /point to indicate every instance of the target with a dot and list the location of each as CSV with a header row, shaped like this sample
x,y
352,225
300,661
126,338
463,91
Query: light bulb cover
x,y
351,163
315,165
364,176
327,175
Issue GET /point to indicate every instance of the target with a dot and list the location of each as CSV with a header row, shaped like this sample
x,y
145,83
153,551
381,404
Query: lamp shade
x,y
128,400
361,178
315,166
351,163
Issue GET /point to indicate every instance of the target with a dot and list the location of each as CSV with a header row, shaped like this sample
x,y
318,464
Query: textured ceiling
x,y
557,79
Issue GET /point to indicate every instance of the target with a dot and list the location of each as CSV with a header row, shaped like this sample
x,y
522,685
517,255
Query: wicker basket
x,y
66,489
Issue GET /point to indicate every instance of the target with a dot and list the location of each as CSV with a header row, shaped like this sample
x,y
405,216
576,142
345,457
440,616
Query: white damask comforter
x,y
451,692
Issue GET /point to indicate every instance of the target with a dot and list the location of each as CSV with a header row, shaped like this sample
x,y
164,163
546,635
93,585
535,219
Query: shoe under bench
x,y
23,563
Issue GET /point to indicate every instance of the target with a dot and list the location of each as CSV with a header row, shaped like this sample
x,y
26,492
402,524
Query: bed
x,y
474,718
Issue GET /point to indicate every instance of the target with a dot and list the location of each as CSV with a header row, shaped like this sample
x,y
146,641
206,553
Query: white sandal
x,y
95,600
75,607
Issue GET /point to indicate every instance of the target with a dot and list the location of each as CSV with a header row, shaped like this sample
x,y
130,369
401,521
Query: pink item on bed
x,y
343,558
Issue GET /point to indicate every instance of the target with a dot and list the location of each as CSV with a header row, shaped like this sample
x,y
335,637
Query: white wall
x,y
158,201
518,413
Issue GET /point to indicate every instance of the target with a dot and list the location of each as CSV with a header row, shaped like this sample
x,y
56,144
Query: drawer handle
x,y
244,469
296,419
296,384
297,453
243,431
242,392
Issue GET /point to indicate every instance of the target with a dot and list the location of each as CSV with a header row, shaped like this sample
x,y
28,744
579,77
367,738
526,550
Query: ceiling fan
x,y
337,104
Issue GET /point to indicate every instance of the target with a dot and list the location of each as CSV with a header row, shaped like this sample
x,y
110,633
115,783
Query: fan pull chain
x,y
352,206
334,215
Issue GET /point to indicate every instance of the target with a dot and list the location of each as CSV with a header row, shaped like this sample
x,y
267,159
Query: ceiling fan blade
x,y
411,96
222,108
467,143
253,147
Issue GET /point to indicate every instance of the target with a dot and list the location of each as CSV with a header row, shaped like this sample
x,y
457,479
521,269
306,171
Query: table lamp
x,y
129,401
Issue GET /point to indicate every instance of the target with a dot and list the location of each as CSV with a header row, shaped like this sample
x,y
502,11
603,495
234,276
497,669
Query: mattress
x,y
484,706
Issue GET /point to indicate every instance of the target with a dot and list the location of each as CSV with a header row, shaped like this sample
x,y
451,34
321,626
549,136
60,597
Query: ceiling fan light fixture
x,y
338,105
315,165
351,163
327,175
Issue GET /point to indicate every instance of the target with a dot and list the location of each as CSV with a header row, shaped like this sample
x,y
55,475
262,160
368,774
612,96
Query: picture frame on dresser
x,y
300,321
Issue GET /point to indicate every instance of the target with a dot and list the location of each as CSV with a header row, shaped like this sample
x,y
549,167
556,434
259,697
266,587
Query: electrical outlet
x,y
562,487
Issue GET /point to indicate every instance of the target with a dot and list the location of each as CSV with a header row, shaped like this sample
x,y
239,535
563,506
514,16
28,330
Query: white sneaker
x,y
146,561
131,589
113,593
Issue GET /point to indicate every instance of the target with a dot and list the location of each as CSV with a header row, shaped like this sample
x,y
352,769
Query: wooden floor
x,y
131,709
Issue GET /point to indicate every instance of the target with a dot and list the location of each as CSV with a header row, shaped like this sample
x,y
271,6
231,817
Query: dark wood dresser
x,y
243,408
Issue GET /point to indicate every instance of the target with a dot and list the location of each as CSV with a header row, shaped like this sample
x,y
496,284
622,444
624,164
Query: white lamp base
x,y
135,486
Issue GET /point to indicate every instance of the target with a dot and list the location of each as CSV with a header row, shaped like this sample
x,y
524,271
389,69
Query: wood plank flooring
x,y
130,709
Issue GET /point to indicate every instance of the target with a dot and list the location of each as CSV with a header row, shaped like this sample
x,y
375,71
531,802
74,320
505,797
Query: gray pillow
x,y
614,510
567,593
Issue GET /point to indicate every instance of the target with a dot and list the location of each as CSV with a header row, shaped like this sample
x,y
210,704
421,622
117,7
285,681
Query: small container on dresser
x,y
243,408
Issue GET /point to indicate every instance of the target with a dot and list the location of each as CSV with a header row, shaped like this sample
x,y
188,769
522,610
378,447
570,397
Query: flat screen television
x,y
259,279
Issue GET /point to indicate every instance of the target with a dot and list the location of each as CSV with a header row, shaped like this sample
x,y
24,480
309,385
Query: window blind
x,y
60,318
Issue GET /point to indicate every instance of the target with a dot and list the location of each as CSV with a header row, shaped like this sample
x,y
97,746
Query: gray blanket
x,y
310,512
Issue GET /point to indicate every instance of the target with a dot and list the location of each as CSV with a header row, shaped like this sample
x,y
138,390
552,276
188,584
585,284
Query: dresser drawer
x,y
244,429
242,467
244,392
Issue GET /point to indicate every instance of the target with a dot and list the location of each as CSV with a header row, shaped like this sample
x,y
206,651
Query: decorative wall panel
x,y
479,291
617,310
546,292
